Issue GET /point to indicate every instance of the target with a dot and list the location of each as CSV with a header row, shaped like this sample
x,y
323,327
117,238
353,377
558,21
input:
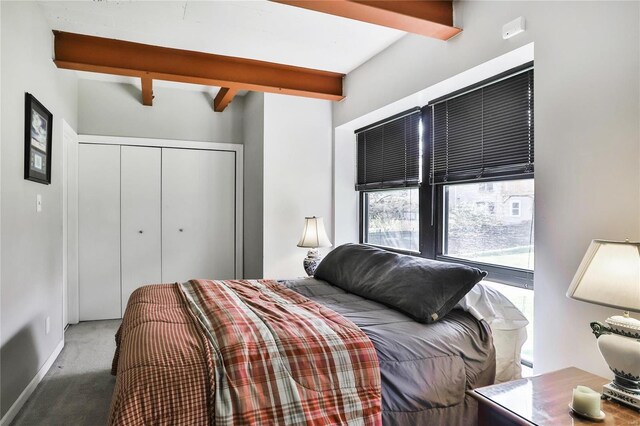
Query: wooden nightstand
x,y
544,400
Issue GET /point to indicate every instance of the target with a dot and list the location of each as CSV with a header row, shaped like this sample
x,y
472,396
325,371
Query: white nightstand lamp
x,y
609,275
313,236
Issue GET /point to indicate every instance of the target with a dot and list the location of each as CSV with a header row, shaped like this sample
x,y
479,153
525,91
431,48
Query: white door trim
x,y
239,257
166,143
238,149
69,225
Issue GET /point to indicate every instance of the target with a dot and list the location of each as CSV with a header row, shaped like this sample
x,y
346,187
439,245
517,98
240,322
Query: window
x,y
486,187
477,206
472,232
392,219
388,176
481,155
515,208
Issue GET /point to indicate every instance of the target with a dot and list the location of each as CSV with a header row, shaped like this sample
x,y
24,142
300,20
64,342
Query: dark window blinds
x,y
389,153
484,133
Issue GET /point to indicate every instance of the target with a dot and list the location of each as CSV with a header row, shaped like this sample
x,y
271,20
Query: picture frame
x,y
38,132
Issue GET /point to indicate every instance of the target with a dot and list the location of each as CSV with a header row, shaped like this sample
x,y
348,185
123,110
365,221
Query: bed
x,y
400,371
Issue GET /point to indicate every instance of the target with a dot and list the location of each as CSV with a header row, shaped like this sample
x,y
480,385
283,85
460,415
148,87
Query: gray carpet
x,y
77,389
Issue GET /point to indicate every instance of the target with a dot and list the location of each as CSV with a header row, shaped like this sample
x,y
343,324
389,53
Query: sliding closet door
x,y
198,214
140,216
99,231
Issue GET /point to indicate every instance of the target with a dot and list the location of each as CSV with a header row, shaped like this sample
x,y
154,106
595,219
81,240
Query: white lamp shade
x,y
609,275
313,234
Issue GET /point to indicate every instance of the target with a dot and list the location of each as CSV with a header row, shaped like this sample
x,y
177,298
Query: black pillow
x,y
426,290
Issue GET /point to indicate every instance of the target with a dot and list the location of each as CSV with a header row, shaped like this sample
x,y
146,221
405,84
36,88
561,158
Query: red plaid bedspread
x,y
241,353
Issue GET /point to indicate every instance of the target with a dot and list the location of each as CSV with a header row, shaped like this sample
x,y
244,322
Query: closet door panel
x,y
99,231
140,213
198,214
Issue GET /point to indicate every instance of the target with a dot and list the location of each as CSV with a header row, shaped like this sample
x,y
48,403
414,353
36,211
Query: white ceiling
x,y
252,29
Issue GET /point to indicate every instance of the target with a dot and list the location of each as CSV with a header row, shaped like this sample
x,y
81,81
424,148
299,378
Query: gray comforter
x,y
425,368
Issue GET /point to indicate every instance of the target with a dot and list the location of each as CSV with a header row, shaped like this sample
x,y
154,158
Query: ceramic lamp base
x,y
626,397
619,344
311,262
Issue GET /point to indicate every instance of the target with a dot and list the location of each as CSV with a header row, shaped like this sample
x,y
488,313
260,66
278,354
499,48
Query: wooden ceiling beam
x,y
147,91
108,56
424,17
224,98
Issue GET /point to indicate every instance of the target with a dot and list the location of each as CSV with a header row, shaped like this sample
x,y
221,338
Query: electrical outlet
x,y
47,325
38,203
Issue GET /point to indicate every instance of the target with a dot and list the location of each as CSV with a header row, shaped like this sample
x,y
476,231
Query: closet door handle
x,y
140,231
181,230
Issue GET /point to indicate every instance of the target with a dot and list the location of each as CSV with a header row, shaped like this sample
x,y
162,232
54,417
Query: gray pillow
x,y
426,290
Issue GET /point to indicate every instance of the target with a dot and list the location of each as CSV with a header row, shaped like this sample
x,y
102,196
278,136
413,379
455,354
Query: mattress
x,y
426,369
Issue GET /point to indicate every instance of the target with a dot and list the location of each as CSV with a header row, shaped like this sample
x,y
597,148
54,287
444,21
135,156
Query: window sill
x,y
515,277
395,250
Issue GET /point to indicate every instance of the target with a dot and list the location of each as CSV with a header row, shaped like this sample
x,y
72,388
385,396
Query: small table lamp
x,y
609,275
313,236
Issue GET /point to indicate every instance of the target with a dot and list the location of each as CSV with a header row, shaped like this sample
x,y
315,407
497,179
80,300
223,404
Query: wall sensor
x,y
513,28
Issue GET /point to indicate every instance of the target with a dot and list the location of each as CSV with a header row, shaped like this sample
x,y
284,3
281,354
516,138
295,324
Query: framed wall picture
x,y
38,124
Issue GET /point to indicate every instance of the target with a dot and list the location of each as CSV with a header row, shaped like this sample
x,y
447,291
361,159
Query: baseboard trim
x,y
26,393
